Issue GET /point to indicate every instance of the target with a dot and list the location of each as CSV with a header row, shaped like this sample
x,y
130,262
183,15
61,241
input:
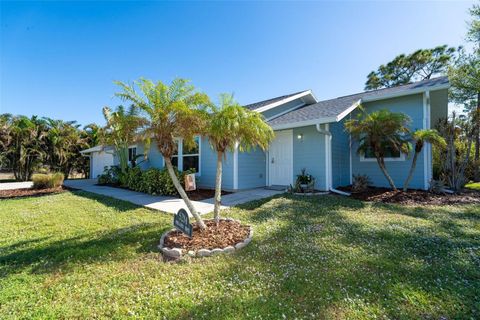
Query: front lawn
x,y
77,255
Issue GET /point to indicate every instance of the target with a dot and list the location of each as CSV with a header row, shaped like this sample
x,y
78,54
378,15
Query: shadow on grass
x,y
48,257
117,204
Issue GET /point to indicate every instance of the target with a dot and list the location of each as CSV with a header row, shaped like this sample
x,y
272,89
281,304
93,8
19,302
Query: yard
x,y
78,255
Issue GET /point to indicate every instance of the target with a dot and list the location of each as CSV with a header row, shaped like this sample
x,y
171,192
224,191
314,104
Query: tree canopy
x,y
406,68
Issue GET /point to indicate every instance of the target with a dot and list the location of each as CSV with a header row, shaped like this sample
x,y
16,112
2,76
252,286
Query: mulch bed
x,y
227,233
202,194
415,197
195,195
19,193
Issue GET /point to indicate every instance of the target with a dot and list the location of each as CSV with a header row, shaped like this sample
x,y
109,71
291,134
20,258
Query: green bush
x,y
152,181
134,178
109,175
155,181
44,181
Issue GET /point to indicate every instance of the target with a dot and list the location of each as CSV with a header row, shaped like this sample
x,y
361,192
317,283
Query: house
x,y
309,134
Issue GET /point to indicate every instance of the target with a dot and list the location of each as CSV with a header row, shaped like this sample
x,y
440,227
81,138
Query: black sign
x,y
182,222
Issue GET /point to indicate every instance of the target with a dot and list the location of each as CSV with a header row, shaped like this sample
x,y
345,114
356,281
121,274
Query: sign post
x,y
181,221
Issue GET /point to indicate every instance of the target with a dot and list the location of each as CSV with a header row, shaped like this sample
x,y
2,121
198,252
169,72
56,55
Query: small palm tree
x,y
121,131
231,126
380,132
420,137
174,110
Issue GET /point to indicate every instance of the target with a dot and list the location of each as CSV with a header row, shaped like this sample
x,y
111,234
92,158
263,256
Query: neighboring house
x,y
310,134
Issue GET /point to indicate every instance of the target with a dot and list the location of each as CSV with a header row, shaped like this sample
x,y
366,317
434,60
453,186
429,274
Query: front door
x,y
280,159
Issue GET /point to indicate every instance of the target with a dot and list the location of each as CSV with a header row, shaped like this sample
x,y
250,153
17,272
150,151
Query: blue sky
x,y
58,59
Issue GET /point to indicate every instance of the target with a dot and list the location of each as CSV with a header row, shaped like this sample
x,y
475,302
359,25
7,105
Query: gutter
x,y
328,159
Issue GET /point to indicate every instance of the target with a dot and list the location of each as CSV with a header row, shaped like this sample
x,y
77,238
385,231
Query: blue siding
x,y
412,106
208,159
251,169
340,155
309,153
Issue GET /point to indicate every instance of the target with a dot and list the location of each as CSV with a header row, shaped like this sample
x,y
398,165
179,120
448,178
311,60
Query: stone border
x,y
177,253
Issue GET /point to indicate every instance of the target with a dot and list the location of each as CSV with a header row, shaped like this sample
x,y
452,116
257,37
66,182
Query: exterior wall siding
x,y
340,154
208,163
309,153
412,106
252,169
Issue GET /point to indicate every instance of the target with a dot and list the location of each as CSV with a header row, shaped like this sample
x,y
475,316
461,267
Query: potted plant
x,y
305,180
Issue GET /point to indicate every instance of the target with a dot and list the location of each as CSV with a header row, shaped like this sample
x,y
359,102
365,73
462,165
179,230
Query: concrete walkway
x,y
168,204
15,185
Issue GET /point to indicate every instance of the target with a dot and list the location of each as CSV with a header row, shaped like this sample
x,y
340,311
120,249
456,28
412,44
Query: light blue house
x,y
310,134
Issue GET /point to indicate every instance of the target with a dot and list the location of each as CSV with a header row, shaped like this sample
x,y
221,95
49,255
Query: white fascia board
x,y
276,104
406,93
346,112
304,123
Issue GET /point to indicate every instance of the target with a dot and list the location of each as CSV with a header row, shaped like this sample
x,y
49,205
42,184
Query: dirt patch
x,y
19,193
415,197
227,233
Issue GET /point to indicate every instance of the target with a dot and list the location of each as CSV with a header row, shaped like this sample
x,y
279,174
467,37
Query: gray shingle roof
x,y
263,103
334,107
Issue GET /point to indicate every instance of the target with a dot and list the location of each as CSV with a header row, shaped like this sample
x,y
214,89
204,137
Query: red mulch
x,y
227,233
415,197
19,193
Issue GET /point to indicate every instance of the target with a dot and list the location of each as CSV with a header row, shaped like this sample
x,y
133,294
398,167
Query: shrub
x,y
156,181
360,182
44,181
134,178
109,175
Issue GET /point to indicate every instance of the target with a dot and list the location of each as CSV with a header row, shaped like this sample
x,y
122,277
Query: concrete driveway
x,y
169,204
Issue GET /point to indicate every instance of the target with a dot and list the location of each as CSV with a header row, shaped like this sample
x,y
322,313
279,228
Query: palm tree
x,y
121,131
174,110
420,137
25,150
380,132
231,126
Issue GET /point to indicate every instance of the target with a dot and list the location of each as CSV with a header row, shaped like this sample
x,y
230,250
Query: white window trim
x,y
389,159
180,152
132,147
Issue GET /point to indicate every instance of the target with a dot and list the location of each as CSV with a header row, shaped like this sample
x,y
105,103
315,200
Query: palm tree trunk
x,y
381,164
218,187
183,194
410,173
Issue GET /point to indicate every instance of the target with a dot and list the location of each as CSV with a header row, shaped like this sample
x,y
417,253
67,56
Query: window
x,y
390,155
132,154
187,157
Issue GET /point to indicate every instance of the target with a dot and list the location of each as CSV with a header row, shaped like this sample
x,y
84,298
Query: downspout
x,y
328,160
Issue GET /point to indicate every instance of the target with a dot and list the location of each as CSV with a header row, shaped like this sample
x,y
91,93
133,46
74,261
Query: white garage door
x,y
99,161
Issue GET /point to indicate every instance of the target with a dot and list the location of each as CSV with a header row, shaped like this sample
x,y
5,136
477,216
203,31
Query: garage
x,y
99,159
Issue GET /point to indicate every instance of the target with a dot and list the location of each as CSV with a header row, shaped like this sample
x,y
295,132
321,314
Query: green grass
x,y
473,185
76,255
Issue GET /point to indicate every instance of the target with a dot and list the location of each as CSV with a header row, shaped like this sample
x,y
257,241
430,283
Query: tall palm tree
x,y
231,126
420,137
121,130
174,110
380,132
